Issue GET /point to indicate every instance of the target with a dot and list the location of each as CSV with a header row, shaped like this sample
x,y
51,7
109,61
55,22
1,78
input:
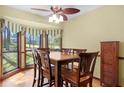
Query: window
x,y
54,39
10,50
32,41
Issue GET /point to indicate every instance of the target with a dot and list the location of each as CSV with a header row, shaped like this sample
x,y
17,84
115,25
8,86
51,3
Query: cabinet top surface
x,y
109,41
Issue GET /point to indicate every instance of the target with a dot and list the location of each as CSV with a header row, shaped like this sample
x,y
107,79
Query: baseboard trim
x,y
96,78
99,80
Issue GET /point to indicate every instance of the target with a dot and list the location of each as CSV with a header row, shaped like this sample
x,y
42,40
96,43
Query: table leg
x,y
57,75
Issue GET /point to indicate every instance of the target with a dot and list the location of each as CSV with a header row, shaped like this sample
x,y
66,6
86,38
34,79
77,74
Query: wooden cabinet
x,y
109,63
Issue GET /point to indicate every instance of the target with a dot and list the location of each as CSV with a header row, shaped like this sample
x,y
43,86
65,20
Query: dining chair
x,y
66,50
46,69
77,52
35,67
83,75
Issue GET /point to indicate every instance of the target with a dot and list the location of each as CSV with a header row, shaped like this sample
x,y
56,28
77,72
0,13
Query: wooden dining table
x,y
58,59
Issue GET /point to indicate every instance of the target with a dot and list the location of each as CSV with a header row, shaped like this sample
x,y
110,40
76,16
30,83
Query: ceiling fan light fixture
x,y
54,17
50,19
61,18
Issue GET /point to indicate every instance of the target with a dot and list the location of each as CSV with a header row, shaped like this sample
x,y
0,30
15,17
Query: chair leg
x,y
42,81
66,83
90,83
34,80
50,83
61,82
39,76
71,85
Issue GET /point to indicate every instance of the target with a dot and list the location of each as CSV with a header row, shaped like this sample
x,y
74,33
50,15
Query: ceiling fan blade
x,y
70,10
65,18
45,10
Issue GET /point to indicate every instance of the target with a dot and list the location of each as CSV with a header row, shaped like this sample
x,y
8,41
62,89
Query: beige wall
x,y
88,30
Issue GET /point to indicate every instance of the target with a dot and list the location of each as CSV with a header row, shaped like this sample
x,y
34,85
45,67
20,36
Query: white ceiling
x,y
83,9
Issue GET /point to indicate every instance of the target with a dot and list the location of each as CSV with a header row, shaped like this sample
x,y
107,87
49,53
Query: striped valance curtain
x,y
35,31
54,32
13,27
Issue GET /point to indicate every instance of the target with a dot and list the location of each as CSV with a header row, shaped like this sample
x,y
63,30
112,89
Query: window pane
x,y
10,53
31,42
29,58
54,41
9,61
36,41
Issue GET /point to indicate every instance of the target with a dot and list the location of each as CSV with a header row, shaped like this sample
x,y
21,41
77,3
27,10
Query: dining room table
x,y
58,59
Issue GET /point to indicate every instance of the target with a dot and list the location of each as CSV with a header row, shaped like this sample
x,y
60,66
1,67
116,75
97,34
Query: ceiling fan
x,y
58,10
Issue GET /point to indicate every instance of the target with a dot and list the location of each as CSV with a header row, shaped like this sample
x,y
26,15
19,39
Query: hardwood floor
x,y
25,79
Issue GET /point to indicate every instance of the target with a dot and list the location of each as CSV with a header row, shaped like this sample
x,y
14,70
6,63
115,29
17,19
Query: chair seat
x,y
82,73
70,75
